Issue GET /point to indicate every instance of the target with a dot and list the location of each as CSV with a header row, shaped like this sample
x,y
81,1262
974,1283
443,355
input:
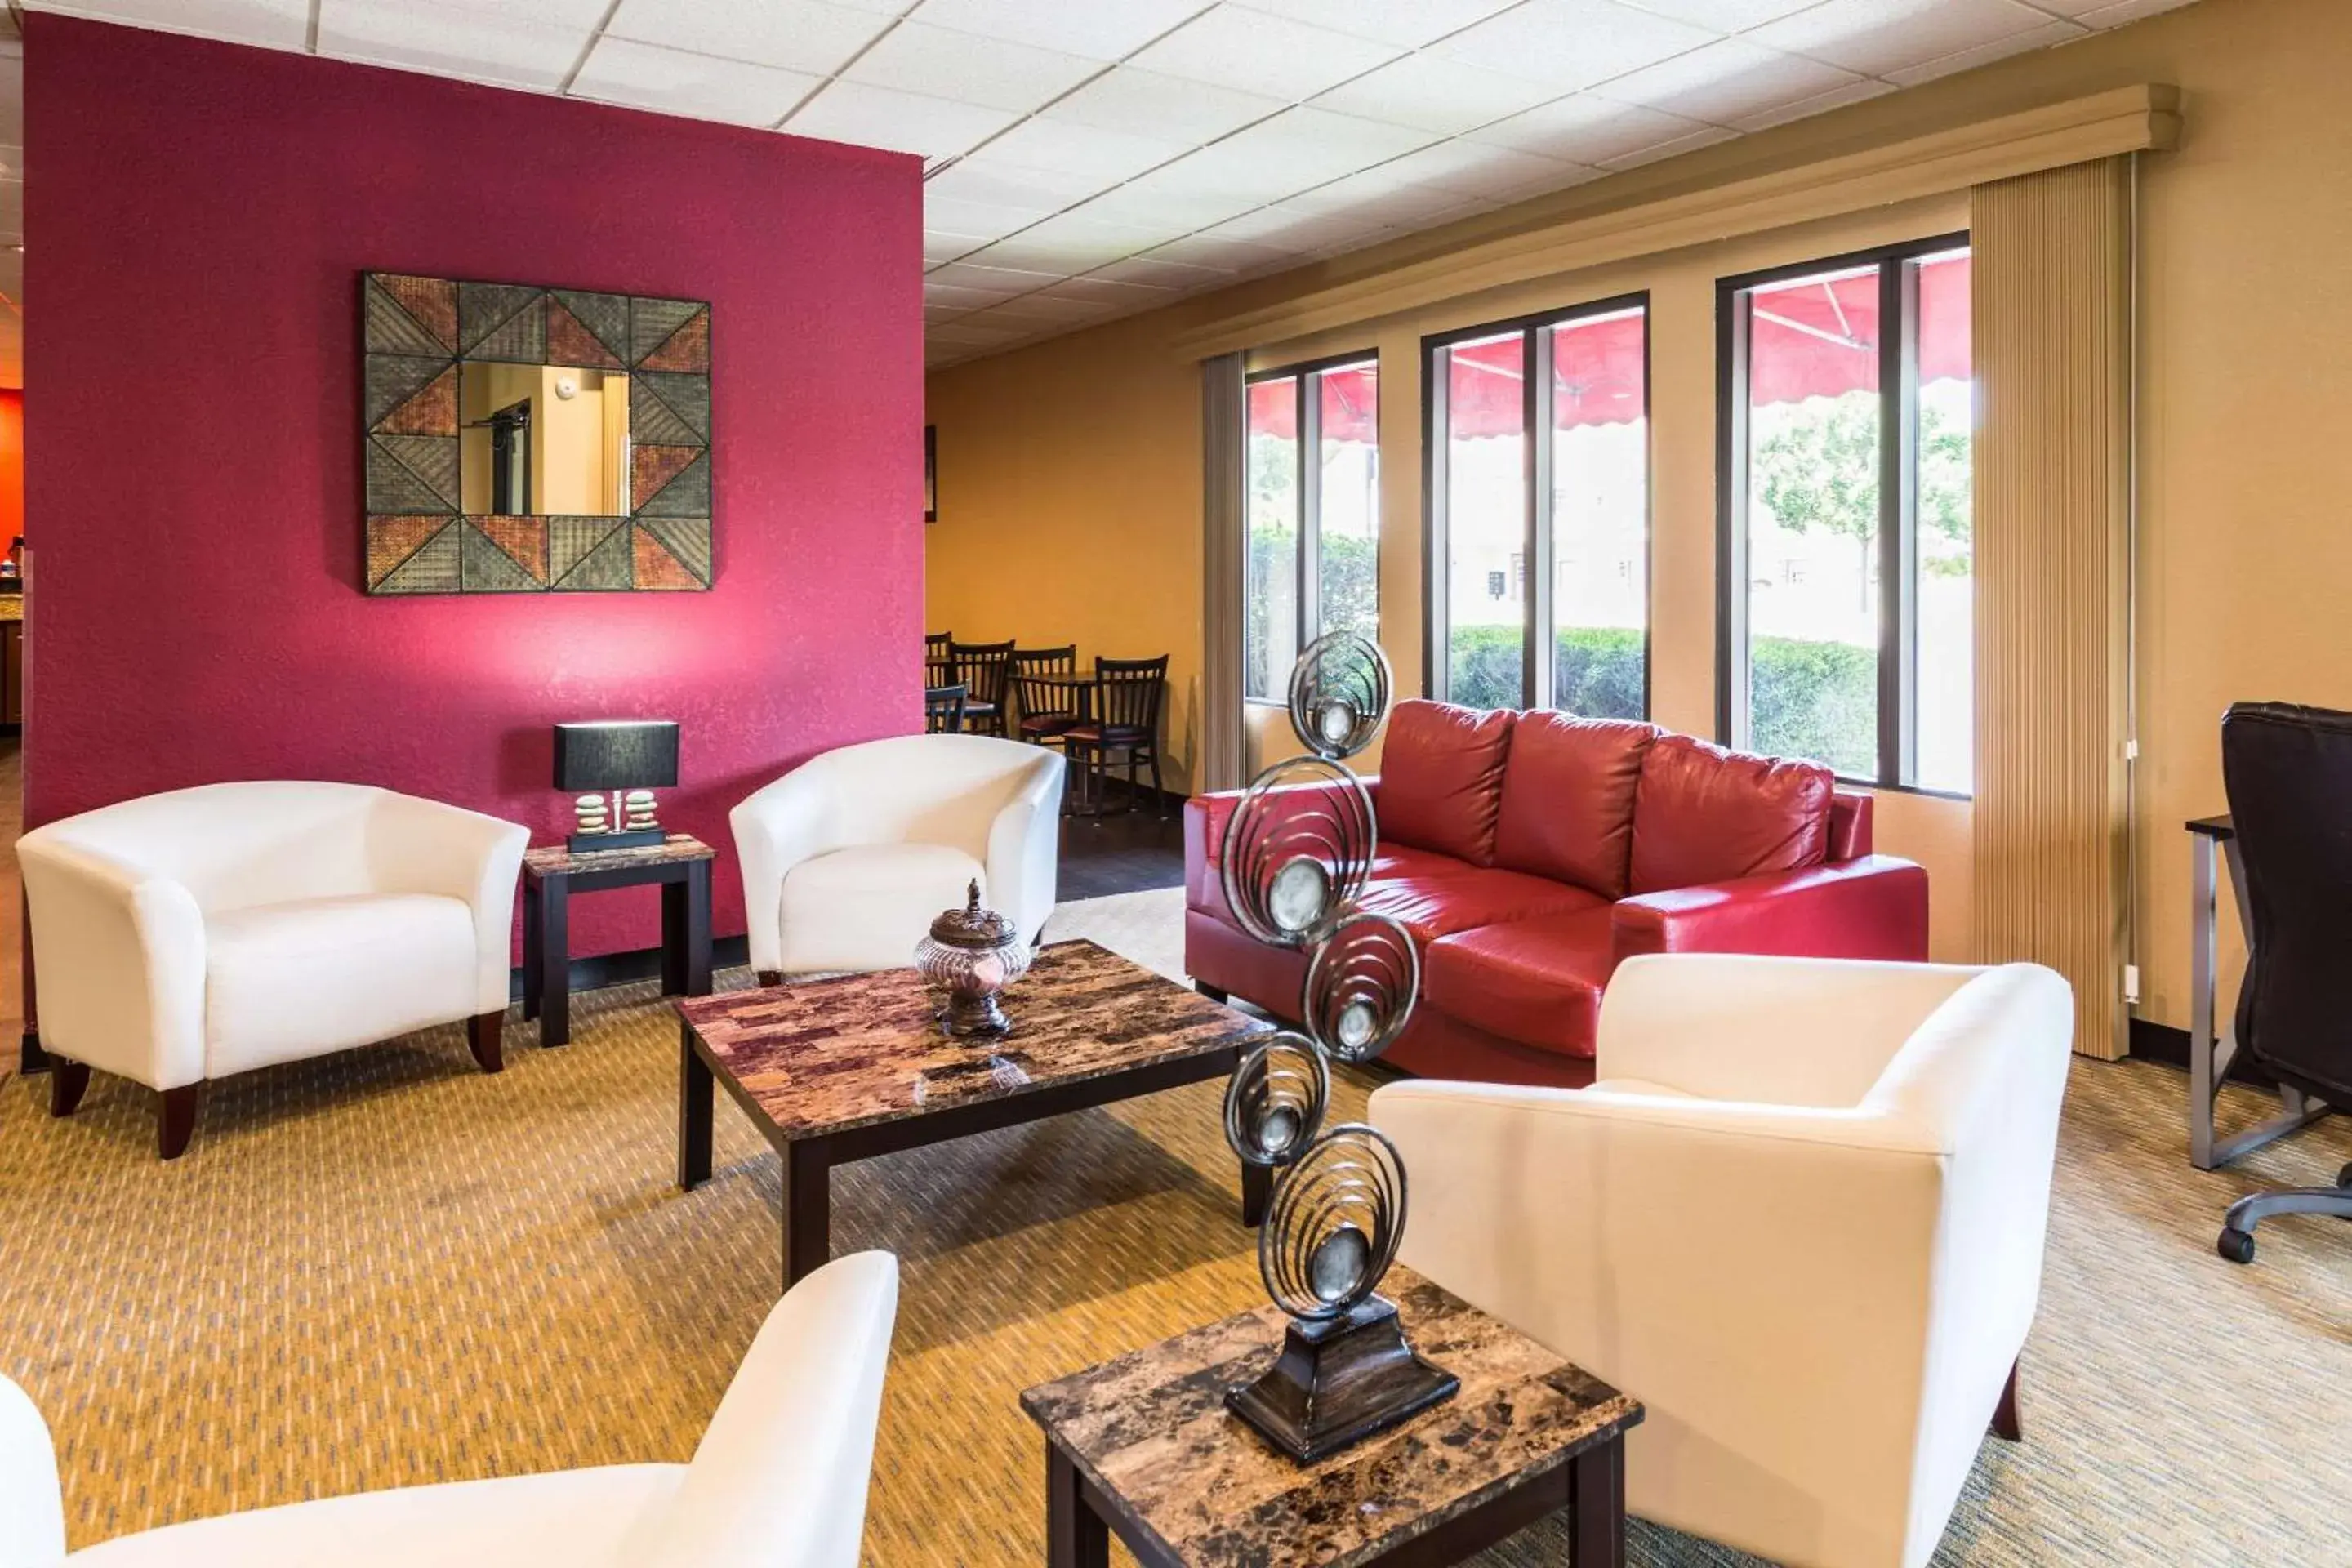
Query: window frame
x,y
1539,660
1307,566
1898,532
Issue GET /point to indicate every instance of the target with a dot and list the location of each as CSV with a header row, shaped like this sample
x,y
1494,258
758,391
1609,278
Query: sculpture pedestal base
x,y
1338,1383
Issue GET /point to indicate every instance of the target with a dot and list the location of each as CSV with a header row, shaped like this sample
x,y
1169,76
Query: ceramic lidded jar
x,y
975,953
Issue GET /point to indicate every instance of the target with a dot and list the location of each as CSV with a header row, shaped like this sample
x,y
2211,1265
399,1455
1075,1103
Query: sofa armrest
x,y
120,952
418,846
777,827
32,1508
1024,846
1875,907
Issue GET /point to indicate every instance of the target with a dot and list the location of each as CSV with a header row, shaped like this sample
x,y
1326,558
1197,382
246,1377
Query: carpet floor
x,y
382,1268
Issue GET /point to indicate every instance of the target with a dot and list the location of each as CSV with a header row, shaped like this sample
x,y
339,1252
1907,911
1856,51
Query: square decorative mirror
x,y
524,440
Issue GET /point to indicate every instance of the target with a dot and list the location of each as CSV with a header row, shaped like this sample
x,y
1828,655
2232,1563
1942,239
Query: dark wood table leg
x,y
808,1209
1257,1182
696,1093
686,933
555,961
1596,1484
532,946
1075,1536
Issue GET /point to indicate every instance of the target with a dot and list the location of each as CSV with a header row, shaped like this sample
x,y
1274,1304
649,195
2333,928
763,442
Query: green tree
x,y
1823,473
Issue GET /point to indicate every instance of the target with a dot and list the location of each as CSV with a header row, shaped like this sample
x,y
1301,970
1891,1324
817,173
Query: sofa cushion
x,y
299,979
841,911
1436,904
1442,777
1703,814
1567,799
1536,982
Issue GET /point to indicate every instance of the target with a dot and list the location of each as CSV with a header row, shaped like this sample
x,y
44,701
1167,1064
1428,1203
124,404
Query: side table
x,y
1144,1447
551,874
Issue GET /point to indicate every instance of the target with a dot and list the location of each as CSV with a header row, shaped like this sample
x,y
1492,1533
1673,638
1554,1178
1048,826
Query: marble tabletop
x,y
1151,1430
827,1056
562,860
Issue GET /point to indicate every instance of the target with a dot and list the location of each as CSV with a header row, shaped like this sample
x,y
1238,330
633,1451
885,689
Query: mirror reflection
x,y
549,440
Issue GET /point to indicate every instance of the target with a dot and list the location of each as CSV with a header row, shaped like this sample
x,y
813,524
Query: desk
x,y
2213,1040
551,874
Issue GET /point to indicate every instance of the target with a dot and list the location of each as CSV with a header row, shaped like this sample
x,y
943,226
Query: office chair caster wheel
x,y
2236,1244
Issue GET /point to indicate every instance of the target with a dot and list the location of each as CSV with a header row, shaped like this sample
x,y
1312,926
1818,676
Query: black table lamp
x,y
630,758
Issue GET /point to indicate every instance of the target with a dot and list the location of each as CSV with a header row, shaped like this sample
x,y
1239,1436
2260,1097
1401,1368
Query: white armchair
x,y
848,859
207,932
778,1481
1800,1215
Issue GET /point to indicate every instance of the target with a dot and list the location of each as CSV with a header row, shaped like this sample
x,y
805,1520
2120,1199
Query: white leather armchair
x,y
207,932
1800,1215
848,859
778,1481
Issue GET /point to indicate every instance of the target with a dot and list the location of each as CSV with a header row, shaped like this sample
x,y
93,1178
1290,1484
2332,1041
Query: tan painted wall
x,y
2246,528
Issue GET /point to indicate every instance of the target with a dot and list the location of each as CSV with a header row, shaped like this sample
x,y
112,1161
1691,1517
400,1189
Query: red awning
x,y
1817,339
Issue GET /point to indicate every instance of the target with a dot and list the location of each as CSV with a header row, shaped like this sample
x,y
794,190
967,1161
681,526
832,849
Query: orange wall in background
x,y
12,466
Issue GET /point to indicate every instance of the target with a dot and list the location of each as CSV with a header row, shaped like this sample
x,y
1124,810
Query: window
x,y
1314,528
1541,549
1847,425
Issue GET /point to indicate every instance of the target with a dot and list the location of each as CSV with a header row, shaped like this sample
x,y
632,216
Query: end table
x,y
552,873
1144,1447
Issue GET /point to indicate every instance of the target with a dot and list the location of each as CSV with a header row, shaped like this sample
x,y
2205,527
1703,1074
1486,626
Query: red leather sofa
x,y
1532,853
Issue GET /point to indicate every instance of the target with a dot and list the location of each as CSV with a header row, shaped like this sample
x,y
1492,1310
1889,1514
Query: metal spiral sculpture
x,y
1296,854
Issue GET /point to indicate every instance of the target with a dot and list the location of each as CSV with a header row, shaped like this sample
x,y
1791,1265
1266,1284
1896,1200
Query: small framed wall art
x,y
526,441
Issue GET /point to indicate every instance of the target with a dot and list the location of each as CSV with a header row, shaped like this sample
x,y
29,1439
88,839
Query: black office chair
x,y
2288,772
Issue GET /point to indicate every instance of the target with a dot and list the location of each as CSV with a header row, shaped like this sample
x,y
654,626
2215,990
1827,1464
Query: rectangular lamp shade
x,y
620,754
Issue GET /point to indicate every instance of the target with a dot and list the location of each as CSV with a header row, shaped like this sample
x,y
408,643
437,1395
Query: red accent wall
x,y
204,212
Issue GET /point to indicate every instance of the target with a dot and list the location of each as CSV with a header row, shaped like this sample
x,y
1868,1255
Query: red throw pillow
x,y
1442,777
1567,799
1706,815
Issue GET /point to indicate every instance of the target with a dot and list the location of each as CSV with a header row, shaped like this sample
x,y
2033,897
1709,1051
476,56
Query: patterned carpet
x,y
384,1268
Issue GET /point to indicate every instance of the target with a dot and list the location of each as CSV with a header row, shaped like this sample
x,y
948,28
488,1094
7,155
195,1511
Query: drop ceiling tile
x,y
272,24
1706,136
796,35
946,295
676,82
1570,43
2118,15
1379,199
996,282
1293,231
2042,37
1878,38
1819,103
1042,310
1146,103
1725,15
1307,146
1434,93
1475,169
1585,129
1725,80
1065,245
1407,24
901,121
1105,30
1103,290
1182,276
941,247
1039,190
1064,147
1253,52
952,216
1174,196
474,45
968,69
1213,250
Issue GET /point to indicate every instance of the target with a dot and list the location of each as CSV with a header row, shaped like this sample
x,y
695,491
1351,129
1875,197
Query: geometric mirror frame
x,y
483,398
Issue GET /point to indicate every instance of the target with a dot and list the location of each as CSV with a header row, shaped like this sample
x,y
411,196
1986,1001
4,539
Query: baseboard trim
x,y
2163,1043
599,970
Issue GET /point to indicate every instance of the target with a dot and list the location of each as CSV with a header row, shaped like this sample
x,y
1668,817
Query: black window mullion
x,y
1535,361
1731,707
1309,426
1897,511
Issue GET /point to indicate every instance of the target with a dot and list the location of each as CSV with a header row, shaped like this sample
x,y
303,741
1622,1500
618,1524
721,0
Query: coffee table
x,y
1144,1445
837,1070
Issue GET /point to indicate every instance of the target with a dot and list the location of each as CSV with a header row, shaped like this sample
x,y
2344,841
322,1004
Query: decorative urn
x,y
975,953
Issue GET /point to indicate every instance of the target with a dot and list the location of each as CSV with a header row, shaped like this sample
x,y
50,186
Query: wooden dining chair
x,y
938,663
1122,724
1048,708
943,710
983,667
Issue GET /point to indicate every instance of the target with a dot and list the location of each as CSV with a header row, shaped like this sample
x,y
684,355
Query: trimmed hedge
x,y
1807,698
